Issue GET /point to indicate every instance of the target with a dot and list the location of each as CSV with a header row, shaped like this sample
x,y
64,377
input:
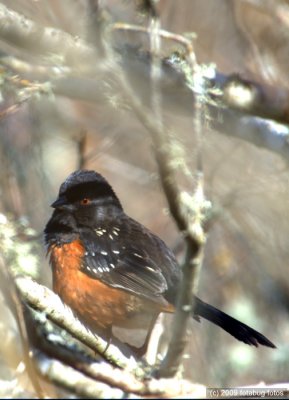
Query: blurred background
x,y
245,271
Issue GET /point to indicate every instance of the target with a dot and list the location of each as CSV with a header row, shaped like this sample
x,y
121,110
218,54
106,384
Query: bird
x,y
114,272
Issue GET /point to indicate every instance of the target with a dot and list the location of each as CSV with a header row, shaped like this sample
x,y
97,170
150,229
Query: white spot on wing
x,y
137,255
115,251
100,231
112,265
104,253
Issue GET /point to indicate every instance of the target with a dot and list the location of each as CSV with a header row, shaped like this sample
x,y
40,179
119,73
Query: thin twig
x,y
180,39
190,223
81,145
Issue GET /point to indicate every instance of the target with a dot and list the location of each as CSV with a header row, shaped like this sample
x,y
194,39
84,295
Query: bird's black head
x,y
85,189
84,199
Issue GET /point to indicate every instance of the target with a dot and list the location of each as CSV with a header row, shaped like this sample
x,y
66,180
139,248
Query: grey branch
x,y
73,380
187,211
25,34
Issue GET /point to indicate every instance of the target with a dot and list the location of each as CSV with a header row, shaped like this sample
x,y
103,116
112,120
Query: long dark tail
x,y
234,327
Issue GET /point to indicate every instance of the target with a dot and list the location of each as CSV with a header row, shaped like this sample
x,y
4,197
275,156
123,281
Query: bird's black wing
x,y
125,255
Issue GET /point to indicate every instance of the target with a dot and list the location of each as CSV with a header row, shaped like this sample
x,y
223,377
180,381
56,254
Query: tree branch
x,y
26,34
187,213
73,380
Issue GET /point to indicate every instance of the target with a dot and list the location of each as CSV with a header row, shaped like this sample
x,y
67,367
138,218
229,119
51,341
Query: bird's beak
x,y
61,203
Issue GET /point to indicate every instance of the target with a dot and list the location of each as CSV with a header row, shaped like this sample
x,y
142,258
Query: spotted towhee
x,y
111,270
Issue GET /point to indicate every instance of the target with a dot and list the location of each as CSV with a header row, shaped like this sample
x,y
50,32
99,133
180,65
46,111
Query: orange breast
x,y
96,304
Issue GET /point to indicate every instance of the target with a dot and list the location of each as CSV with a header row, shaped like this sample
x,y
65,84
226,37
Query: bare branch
x,y
188,217
26,34
80,384
81,144
180,39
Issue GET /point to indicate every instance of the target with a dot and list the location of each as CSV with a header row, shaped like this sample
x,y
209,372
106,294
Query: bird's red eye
x,y
85,201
